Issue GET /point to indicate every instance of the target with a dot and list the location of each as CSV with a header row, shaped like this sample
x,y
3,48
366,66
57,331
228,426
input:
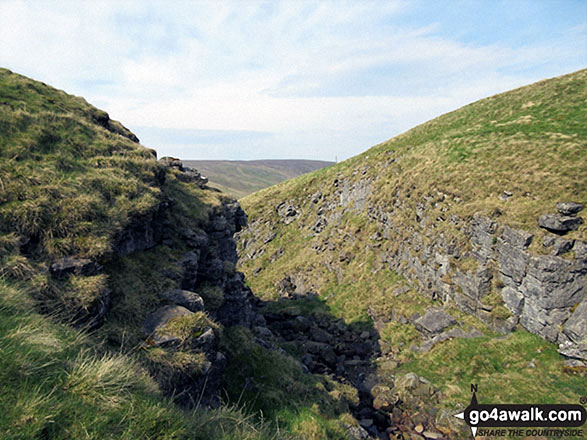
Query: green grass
x,y
67,182
531,141
70,181
56,383
271,384
502,369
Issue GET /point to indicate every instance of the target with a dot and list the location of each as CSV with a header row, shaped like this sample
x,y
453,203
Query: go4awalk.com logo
x,y
524,419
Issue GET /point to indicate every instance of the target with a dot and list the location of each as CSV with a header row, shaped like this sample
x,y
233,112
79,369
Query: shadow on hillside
x,y
339,355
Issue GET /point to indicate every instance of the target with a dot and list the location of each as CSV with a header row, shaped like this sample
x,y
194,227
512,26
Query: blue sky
x,y
291,79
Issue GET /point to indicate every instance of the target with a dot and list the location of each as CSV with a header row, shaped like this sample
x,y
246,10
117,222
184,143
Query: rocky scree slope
x,y
466,228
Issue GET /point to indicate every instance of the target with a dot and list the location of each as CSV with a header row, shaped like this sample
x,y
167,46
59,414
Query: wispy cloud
x,y
323,78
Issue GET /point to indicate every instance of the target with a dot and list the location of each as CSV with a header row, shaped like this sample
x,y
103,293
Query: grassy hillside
x,y
240,178
71,182
510,157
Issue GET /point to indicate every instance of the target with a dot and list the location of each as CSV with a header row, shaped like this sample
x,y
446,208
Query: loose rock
x,y
559,223
568,208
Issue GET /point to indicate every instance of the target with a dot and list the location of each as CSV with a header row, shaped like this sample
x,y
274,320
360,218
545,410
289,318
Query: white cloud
x,y
329,74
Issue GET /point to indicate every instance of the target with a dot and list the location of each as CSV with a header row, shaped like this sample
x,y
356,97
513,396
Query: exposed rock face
x,y
209,263
143,232
186,174
217,264
541,292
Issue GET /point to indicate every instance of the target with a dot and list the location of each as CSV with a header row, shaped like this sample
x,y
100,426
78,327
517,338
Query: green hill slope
x,y
242,177
99,243
446,216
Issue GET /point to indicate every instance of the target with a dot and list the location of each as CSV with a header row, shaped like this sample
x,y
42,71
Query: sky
x,y
287,79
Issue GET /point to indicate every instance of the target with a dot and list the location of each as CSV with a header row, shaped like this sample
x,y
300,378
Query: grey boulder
x,y
568,208
190,300
434,321
155,322
559,223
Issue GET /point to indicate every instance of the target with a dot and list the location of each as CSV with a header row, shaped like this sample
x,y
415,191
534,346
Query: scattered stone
x,y
320,335
287,212
320,225
357,432
432,435
568,208
574,363
316,197
366,423
158,319
505,195
383,398
434,321
414,391
400,290
419,428
560,224
285,286
562,246
190,300
263,332
449,334
64,267
270,238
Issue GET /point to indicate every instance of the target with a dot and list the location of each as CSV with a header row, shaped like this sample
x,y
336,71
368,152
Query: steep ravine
x,y
348,354
460,243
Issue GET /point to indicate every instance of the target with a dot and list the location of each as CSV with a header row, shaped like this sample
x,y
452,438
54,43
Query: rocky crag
x,y
464,259
455,234
102,235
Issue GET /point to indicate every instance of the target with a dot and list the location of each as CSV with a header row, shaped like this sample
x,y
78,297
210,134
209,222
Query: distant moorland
x,y
240,178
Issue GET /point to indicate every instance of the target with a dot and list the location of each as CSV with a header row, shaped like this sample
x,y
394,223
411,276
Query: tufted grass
x,y
58,383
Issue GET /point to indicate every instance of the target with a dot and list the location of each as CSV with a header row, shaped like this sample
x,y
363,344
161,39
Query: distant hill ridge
x,y
242,177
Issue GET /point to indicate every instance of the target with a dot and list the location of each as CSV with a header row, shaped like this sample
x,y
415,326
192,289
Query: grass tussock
x,y
56,384
107,380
